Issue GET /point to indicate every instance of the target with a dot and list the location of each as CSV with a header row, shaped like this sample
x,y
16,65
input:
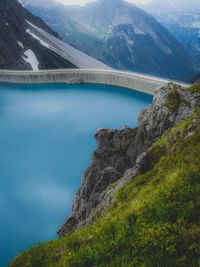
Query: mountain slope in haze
x,y
121,35
168,6
19,50
182,19
27,43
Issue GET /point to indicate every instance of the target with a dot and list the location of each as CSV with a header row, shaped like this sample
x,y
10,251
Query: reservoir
x,y
46,143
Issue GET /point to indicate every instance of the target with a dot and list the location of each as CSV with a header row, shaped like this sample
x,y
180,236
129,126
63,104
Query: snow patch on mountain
x,y
38,39
31,58
73,55
20,1
20,44
138,31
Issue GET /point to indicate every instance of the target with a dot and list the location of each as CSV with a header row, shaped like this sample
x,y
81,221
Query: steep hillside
x,y
153,216
19,50
168,6
121,35
119,150
27,43
182,19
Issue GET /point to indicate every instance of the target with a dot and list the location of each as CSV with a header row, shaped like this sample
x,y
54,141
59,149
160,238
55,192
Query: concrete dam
x,y
140,82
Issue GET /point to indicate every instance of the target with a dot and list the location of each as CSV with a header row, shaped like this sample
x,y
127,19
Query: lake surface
x,y
46,142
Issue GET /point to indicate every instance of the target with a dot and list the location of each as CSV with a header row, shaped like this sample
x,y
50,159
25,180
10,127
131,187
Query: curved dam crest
x,y
142,83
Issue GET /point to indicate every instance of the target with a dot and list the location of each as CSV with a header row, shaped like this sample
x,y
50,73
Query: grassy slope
x,y
154,220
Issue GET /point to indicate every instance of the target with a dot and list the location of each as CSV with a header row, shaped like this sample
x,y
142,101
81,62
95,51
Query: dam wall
x,y
143,83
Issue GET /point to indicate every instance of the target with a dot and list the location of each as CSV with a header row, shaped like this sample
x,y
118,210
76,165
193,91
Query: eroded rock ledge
x,y
121,154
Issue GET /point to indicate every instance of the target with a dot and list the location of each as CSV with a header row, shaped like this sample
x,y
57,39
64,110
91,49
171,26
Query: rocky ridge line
x,y
121,154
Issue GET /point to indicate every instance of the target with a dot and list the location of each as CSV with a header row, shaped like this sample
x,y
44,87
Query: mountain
x,y
167,6
120,35
182,19
19,50
27,43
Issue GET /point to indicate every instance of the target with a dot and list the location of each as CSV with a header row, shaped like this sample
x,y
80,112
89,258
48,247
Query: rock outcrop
x,y
121,154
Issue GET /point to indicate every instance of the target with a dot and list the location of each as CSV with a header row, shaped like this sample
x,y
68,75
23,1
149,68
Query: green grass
x,y
195,88
154,220
173,101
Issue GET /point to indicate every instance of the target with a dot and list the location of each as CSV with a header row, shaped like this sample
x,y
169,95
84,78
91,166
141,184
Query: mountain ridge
x,y
182,19
122,36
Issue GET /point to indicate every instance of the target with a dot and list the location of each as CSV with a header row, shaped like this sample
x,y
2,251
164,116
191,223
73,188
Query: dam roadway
x,y
140,82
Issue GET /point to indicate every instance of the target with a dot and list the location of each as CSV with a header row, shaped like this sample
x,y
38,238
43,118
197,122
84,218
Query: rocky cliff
x,y
122,154
151,215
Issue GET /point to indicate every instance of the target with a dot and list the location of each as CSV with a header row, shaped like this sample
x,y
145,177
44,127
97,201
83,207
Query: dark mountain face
x,y
122,36
18,49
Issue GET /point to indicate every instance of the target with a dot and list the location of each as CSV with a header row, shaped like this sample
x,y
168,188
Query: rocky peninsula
x,y
121,154
138,204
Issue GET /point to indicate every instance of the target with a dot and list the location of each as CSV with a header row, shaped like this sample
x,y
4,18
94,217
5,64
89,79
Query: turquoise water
x,y
46,142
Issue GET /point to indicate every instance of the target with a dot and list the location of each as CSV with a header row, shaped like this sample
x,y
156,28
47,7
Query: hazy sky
x,y
82,2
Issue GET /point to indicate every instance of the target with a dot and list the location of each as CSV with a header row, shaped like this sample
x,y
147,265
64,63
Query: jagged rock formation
x,y
122,154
